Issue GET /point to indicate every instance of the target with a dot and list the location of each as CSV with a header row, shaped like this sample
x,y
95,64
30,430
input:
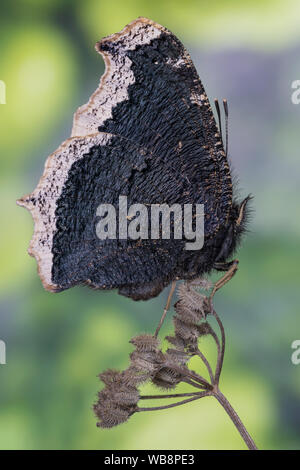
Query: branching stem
x,y
235,419
172,405
171,395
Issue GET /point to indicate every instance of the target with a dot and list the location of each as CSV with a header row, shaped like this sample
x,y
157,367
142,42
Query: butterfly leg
x,y
173,285
231,268
224,266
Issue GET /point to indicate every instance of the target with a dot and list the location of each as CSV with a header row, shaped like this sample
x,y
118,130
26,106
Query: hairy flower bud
x,y
191,299
126,397
110,377
201,283
167,378
146,361
135,376
145,343
179,357
111,414
176,341
188,332
187,314
204,329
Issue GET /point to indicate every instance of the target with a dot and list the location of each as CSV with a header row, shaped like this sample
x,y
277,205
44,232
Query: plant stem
x,y
194,384
172,405
205,361
235,419
193,376
221,352
171,395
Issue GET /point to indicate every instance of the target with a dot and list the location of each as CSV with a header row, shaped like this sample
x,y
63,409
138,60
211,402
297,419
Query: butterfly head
x,y
237,225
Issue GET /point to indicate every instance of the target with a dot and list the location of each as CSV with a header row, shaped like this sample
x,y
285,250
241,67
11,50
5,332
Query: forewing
x,y
152,95
148,132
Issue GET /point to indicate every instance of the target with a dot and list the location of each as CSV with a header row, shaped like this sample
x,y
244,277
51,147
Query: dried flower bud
x,y
188,332
145,343
111,414
179,357
118,400
118,381
187,314
191,299
204,329
176,341
201,283
110,377
167,378
134,376
147,358
126,397
146,361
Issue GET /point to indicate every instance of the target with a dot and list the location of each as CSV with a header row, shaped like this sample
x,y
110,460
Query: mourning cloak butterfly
x,y
147,133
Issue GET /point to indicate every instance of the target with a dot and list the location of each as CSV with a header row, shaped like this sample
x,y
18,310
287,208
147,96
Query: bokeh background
x,y
248,52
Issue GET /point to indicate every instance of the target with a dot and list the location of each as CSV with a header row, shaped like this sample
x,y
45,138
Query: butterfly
x,y
148,133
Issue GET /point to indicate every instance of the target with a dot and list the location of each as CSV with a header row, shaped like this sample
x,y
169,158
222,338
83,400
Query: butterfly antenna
x,y
219,117
225,104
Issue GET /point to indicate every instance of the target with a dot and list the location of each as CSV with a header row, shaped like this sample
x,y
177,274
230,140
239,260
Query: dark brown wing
x,y
148,132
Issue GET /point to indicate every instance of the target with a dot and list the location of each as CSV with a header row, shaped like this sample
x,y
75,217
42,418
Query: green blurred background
x,y
248,52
